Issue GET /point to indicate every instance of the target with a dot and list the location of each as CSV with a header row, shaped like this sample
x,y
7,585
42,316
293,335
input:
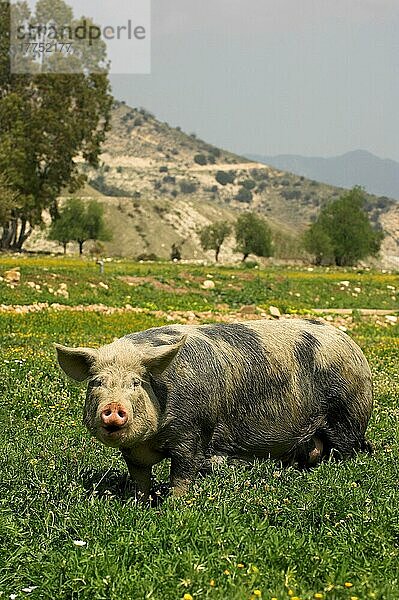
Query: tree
x,y
93,226
253,235
80,223
66,227
48,119
343,233
213,236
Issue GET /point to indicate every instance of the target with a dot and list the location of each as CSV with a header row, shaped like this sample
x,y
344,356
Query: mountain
x,y
378,176
159,186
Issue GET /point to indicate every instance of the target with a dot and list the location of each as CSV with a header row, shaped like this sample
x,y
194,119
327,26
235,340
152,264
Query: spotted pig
x,y
293,390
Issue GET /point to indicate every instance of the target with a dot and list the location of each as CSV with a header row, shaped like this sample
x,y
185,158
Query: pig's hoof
x,y
180,487
315,455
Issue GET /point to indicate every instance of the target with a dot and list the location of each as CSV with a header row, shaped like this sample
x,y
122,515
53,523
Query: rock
x,y
274,311
208,284
391,318
12,276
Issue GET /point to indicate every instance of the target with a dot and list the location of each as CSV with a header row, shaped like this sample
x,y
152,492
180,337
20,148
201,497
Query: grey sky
x,y
276,76
314,77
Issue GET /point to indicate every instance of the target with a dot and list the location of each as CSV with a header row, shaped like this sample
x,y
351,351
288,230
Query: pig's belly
x,y
246,441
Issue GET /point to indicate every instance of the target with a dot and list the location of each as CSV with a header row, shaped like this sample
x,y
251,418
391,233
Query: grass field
x,y
68,525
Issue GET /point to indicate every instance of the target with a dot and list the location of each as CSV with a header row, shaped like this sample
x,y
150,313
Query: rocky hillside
x,y
160,185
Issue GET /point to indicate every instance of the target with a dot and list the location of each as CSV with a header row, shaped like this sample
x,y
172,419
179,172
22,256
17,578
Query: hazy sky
x,y
313,77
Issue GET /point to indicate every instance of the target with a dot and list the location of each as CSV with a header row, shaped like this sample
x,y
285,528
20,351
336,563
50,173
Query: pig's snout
x,y
113,416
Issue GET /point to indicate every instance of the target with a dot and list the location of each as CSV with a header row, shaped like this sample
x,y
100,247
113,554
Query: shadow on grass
x,y
112,483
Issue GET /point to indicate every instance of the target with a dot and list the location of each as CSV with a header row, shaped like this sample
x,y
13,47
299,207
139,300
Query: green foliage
x,y
8,201
318,242
200,159
343,233
213,236
47,120
248,184
253,235
99,183
225,177
188,187
244,195
291,194
214,151
79,222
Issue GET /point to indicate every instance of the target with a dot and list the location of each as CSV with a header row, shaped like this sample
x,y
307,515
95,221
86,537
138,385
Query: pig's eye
x,y
135,383
96,383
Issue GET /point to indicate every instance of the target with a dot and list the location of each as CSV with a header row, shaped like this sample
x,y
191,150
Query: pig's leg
x,y
141,477
186,461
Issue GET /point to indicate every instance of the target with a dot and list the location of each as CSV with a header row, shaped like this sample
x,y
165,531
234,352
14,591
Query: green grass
x,y
263,528
289,289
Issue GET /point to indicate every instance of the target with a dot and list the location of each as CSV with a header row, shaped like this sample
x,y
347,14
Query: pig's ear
x,y
158,358
76,362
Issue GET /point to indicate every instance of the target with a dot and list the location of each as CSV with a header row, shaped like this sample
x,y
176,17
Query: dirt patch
x,y
158,285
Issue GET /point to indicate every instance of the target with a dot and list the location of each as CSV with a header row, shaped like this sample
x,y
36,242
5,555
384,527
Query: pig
x,y
292,390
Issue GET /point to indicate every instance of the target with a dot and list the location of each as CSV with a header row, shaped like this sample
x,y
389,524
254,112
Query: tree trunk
x,y
23,235
13,232
6,237
65,247
245,257
217,253
80,242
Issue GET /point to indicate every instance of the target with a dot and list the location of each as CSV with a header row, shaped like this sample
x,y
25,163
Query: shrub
x,y
248,184
244,195
291,194
200,159
144,257
215,151
225,177
188,187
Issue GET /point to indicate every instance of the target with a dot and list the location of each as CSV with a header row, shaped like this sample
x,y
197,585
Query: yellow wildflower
x,y
240,566
212,583
257,593
226,572
354,598
187,597
318,596
348,584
